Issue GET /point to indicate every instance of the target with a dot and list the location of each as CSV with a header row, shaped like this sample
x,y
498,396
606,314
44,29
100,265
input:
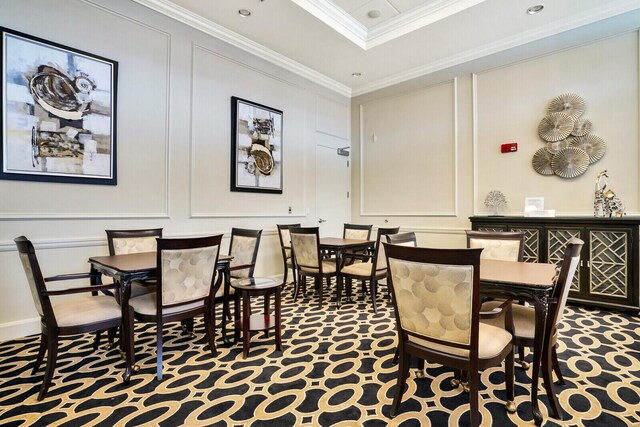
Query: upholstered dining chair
x,y
500,245
403,239
185,287
524,320
356,232
243,247
305,242
65,317
444,284
372,271
285,246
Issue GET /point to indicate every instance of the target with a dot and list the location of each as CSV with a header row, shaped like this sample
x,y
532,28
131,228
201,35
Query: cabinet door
x,y
532,241
609,264
557,239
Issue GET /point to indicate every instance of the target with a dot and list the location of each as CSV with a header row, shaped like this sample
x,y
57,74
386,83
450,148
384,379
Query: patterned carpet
x,y
335,370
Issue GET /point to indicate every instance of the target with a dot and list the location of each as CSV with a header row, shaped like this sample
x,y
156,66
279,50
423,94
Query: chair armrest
x,y
497,311
72,276
81,290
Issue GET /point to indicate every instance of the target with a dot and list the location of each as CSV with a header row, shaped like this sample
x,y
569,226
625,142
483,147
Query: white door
x,y
333,201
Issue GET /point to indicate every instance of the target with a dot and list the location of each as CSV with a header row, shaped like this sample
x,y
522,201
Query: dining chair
x,y
524,321
185,288
305,242
356,232
63,317
372,271
503,246
500,245
285,247
403,239
243,247
444,284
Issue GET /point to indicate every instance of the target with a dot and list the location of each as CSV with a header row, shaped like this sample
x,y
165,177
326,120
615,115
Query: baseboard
x,y
19,329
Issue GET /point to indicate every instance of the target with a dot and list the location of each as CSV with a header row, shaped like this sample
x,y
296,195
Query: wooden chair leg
x,y
52,357
96,340
286,271
266,312
374,291
296,286
403,373
474,380
41,352
210,328
547,379
339,281
111,336
396,355
318,284
525,365
159,350
556,366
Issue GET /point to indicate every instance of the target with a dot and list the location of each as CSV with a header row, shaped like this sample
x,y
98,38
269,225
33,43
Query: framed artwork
x,y
256,147
58,112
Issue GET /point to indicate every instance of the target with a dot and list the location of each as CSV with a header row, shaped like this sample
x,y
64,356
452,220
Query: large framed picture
x,y
58,112
256,147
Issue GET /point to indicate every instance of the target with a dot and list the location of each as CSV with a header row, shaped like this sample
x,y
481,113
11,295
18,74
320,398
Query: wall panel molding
x,y
455,179
192,152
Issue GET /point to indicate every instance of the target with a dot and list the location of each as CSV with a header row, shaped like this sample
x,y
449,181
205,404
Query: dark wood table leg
x,y
540,305
225,308
278,332
338,278
245,323
126,333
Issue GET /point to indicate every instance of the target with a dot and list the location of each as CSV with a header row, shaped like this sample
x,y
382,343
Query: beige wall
x,y
453,123
174,91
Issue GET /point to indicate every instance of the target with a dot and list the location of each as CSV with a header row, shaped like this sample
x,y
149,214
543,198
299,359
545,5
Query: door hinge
x,y
347,163
347,194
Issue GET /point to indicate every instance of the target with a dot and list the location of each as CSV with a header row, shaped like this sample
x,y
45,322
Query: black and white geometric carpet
x,y
335,369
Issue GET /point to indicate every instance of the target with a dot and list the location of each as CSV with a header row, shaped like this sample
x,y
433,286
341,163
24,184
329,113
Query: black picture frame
x,y
256,147
58,112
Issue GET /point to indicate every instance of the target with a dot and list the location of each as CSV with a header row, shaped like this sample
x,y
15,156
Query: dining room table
x,y
142,266
523,281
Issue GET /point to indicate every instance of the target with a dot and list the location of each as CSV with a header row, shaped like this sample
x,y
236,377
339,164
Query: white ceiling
x,y
326,41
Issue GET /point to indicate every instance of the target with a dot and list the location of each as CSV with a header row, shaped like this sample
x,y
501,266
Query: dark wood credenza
x,y
608,272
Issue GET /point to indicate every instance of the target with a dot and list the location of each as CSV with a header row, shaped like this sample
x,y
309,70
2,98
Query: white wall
x,y
174,90
437,153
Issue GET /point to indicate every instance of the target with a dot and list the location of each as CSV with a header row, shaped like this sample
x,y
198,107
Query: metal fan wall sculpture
x,y
570,145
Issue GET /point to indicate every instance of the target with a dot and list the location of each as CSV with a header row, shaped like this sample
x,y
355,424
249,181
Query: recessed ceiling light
x,y
356,74
244,13
535,9
373,14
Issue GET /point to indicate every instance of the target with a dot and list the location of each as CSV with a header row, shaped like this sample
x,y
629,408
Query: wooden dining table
x,y
127,268
523,281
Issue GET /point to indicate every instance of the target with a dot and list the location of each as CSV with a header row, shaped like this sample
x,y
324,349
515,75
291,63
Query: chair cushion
x,y
146,304
524,319
327,267
492,340
362,269
86,310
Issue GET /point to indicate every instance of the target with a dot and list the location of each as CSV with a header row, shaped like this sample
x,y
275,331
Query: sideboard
x,y
608,272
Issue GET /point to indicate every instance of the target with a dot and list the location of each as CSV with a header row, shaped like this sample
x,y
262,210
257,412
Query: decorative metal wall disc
x,y
555,126
593,145
554,147
568,103
570,162
542,162
581,127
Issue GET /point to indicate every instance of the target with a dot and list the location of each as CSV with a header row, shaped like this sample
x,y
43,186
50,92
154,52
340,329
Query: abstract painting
x,y
58,112
256,151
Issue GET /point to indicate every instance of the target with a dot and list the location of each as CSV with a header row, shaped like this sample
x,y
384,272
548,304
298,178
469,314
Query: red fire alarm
x,y
510,147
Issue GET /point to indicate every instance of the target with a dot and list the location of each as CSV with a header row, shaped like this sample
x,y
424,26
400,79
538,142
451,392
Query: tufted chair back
x,y
132,241
504,246
305,242
187,269
357,231
244,250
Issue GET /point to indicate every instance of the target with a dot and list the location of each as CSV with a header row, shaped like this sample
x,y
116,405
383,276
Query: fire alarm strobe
x,y
509,147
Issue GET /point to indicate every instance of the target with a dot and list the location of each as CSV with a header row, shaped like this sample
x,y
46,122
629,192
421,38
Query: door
x,y
332,191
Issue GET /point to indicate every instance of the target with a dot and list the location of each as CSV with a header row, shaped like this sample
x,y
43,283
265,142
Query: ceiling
x,y
327,41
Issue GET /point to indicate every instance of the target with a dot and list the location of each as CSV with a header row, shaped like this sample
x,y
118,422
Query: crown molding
x,y
193,20
579,20
415,19
336,17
